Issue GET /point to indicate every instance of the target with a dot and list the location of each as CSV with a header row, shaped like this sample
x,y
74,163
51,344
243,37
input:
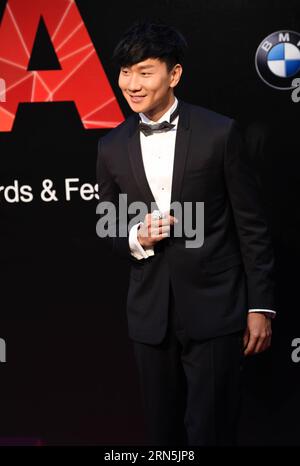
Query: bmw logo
x,y
277,59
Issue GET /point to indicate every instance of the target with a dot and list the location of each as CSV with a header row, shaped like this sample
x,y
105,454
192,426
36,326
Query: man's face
x,y
148,86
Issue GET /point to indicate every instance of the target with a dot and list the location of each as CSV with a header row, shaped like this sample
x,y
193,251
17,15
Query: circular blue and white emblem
x,y
277,59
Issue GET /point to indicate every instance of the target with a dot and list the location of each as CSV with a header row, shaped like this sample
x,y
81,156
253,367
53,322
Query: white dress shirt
x,y
158,151
158,157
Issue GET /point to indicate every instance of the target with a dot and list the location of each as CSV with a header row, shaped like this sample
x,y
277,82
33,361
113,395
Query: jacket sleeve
x,y
252,229
112,225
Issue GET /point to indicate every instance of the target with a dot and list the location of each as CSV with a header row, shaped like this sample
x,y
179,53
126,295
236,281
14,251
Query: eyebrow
x,y
140,67
143,67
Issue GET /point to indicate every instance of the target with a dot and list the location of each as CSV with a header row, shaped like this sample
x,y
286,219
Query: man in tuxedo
x,y
194,310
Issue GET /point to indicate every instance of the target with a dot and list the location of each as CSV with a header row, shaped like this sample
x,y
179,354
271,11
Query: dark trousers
x,y
190,389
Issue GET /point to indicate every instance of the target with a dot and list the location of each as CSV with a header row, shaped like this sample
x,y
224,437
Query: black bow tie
x,y
159,127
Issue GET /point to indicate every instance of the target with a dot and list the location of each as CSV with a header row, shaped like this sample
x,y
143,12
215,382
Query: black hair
x,y
148,39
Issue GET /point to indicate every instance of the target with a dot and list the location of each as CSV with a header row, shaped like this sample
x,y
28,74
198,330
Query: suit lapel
x,y
181,151
137,165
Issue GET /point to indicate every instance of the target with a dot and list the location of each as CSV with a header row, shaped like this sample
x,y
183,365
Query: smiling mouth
x,y
137,98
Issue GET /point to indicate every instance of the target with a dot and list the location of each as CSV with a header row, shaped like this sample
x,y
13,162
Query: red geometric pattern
x,y
82,78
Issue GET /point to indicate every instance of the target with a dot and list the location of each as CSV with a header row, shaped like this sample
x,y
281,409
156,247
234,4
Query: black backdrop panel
x,y
63,295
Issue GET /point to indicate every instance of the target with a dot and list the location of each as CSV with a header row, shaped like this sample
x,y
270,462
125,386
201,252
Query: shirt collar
x,y
165,117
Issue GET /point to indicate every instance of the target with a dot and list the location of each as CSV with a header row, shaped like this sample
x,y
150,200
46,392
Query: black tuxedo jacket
x,y
216,284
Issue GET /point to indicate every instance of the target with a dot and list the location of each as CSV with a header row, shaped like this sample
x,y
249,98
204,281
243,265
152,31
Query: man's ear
x,y
176,75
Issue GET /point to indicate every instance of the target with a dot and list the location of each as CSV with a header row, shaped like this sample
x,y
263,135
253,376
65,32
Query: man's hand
x,y
154,230
257,336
